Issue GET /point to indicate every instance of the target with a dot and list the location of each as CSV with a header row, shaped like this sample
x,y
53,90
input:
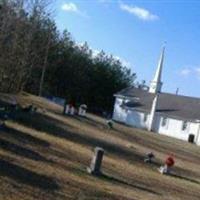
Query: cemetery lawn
x,y
44,156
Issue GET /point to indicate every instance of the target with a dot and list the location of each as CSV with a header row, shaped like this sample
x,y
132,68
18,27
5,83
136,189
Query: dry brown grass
x,y
45,155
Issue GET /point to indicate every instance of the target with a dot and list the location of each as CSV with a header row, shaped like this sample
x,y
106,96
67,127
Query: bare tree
x,y
44,66
19,22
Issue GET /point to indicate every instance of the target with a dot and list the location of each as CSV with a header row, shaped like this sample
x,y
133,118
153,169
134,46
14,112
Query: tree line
x,y
36,57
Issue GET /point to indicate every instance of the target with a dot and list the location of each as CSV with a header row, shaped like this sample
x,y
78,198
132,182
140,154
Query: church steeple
x,y
156,84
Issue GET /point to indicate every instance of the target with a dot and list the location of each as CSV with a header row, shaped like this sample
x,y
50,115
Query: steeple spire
x,y
156,84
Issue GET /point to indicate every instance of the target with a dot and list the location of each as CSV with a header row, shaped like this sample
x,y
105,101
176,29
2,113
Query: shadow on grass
x,y
184,178
49,125
91,122
23,137
21,151
55,127
176,171
160,145
26,176
120,181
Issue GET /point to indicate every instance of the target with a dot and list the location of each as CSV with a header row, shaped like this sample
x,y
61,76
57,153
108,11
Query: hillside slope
x,y
44,156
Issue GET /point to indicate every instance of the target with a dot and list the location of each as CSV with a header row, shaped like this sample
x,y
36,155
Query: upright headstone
x,y
82,110
72,110
95,166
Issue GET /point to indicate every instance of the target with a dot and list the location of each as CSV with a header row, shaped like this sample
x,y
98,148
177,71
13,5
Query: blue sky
x,y
135,31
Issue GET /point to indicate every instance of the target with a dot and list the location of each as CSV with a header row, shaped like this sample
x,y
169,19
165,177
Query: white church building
x,y
168,114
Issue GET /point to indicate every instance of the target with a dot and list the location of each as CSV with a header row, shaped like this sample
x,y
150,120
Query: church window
x,y
164,121
184,125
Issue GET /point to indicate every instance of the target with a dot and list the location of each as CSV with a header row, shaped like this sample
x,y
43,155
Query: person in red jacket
x,y
169,163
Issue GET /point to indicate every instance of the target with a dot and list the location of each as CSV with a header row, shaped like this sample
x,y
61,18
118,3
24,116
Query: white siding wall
x,y
119,113
193,129
172,128
198,137
136,119
130,117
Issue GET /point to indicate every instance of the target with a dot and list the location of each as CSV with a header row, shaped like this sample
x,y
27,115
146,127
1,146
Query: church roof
x,y
176,106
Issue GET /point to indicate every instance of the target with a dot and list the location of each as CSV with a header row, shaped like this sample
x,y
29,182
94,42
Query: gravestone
x,y
95,166
72,110
82,110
